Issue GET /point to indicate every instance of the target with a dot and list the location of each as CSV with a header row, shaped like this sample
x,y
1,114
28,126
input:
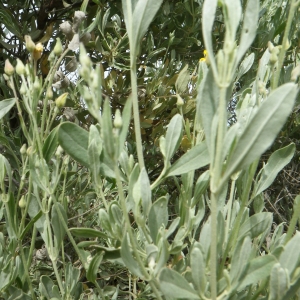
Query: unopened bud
x,y
23,89
49,94
59,151
22,202
8,68
58,47
180,101
20,68
270,46
118,122
29,44
36,84
23,149
61,100
29,150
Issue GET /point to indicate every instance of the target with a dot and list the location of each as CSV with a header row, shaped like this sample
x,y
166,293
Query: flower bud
x,y
49,94
58,47
29,44
29,150
8,68
23,149
59,151
23,89
61,100
118,122
180,101
36,84
22,202
20,68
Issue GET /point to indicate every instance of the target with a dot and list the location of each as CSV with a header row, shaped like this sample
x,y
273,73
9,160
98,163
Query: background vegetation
x,y
64,173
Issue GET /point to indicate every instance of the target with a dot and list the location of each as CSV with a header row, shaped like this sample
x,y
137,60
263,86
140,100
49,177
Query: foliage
x,y
122,172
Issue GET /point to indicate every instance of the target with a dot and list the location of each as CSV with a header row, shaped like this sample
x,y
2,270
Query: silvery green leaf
x,y
241,256
290,257
182,80
201,184
126,116
279,283
195,158
94,151
249,27
245,66
57,224
173,136
198,268
263,66
138,16
175,286
232,14
208,17
207,104
5,106
158,217
107,130
277,161
260,133
257,269
128,258
142,191
256,225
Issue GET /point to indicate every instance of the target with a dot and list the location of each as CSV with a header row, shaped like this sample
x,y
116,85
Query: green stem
x,y
26,270
294,220
293,8
136,114
131,236
215,190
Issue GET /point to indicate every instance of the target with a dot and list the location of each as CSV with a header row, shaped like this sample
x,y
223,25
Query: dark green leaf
x,y
74,140
87,233
50,145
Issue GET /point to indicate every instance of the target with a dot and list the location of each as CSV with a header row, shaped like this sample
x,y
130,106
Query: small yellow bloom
x,y
37,52
205,58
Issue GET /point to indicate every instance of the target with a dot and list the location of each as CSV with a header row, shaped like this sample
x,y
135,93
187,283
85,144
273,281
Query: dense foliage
x,y
139,142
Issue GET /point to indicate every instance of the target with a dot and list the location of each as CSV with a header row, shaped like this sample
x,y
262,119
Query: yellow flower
x,y
205,58
37,52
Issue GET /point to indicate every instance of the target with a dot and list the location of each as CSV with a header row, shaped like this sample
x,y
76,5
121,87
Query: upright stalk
x,y
215,190
136,114
293,7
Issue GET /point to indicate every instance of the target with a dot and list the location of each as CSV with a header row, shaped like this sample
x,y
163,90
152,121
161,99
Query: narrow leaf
x,y
256,225
260,133
92,271
50,145
87,233
277,161
279,282
128,259
208,17
173,136
182,80
195,158
249,27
